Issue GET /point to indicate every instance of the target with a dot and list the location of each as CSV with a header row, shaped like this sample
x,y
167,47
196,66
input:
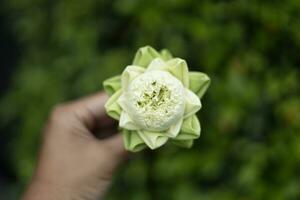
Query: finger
x,y
115,145
105,132
95,103
90,110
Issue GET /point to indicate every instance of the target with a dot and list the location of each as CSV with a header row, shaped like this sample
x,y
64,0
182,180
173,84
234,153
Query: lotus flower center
x,y
156,100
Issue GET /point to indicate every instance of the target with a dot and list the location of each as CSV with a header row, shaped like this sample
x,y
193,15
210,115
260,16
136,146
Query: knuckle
x,y
59,111
58,118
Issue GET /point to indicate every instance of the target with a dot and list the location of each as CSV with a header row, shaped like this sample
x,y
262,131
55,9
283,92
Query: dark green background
x,y
58,50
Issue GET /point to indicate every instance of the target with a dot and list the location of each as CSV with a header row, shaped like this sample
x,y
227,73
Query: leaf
x,y
112,85
112,107
132,141
199,82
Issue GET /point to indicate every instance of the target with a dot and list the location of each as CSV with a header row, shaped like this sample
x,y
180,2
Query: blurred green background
x,y
58,50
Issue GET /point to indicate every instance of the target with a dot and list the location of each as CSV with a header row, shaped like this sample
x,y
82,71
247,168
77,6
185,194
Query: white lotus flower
x,y
155,100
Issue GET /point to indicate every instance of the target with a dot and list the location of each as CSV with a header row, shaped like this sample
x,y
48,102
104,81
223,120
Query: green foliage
x,y
249,145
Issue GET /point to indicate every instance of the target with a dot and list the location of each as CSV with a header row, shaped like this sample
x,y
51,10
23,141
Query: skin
x,y
74,164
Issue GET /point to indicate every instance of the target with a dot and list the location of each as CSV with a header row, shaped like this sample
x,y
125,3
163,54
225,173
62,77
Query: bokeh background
x,y
58,50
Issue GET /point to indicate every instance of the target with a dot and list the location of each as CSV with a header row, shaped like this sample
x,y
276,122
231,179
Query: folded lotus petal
x,y
132,141
153,139
144,56
199,82
190,129
178,68
129,74
157,64
112,85
192,103
174,130
166,54
122,101
126,122
112,107
183,143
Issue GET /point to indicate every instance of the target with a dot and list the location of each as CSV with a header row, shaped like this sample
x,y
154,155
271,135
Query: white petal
x,y
129,74
192,103
153,139
122,102
175,129
157,64
126,122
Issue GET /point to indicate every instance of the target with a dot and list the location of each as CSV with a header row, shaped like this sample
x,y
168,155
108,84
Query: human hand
x,y
73,163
